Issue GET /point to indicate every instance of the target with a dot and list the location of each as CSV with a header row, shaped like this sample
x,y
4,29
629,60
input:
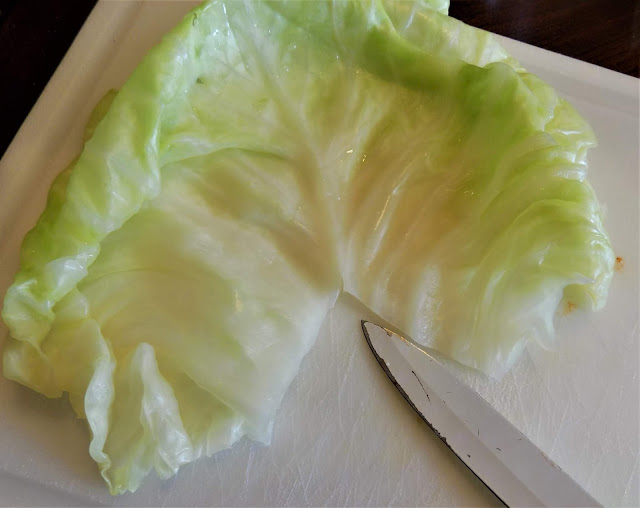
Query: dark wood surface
x,y
602,32
35,34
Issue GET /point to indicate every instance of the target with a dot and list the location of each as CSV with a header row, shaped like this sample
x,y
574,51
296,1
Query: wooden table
x,y
602,32
35,34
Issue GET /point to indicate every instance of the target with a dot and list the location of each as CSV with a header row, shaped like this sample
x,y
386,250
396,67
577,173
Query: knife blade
x,y
508,463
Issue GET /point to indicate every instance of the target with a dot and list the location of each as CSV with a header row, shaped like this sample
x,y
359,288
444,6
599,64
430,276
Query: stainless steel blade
x,y
517,471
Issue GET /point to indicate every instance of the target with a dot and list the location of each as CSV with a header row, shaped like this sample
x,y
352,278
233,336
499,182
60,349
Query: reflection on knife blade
x,y
508,463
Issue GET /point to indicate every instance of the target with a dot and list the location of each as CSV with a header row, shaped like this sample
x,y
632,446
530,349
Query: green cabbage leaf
x,y
264,157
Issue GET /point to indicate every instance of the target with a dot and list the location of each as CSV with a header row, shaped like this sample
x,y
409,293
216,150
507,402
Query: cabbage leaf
x,y
264,157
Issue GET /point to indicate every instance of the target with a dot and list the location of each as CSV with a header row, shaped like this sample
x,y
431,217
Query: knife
x,y
510,465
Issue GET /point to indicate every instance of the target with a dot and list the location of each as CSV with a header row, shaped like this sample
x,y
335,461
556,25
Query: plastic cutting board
x,y
343,435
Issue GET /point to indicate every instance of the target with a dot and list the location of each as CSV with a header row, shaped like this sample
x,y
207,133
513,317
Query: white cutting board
x,y
343,435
